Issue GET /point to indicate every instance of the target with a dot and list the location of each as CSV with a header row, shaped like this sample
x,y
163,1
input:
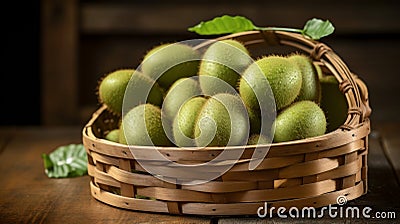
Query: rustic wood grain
x,y
6,134
391,147
59,52
121,17
390,141
27,195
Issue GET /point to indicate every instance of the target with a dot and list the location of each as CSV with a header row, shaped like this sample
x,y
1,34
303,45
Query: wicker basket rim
x,y
317,140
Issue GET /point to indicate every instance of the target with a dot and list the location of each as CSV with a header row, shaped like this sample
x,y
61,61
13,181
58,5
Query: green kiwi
x,y
170,62
143,125
302,119
207,121
311,88
121,137
181,91
223,61
226,116
185,121
318,69
333,102
283,76
113,135
255,120
113,86
256,139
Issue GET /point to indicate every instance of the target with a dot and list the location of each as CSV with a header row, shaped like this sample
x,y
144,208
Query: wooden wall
x,y
83,40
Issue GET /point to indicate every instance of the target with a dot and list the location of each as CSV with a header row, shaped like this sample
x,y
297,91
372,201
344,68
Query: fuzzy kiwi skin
x,y
231,129
333,102
181,91
113,135
207,122
311,88
172,61
223,60
112,89
255,120
185,122
113,86
121,136
256,139
283,76
137,121
302,119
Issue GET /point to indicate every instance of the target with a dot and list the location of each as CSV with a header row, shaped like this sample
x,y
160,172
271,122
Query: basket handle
x,y
354,88
364,96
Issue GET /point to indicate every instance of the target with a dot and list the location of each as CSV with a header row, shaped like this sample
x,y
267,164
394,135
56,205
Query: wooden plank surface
x,y
5,137
28,196
389,134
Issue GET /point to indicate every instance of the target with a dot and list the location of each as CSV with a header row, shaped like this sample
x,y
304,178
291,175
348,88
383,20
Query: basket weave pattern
x,y
308,172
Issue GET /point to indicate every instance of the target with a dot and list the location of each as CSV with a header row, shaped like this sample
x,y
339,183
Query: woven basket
x,y
309,172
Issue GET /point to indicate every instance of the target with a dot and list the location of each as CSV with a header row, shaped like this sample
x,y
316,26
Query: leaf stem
x,y
279,29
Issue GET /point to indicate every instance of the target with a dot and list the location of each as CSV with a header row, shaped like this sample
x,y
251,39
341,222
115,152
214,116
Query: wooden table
x,y
27,195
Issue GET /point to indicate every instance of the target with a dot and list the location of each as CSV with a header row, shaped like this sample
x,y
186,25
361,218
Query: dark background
x,y
56,50
20,73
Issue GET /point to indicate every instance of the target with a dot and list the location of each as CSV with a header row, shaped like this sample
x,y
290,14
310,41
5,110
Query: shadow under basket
x,y
312,172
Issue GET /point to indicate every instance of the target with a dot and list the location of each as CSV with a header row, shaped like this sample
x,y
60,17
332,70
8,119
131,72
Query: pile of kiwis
x,y
208,98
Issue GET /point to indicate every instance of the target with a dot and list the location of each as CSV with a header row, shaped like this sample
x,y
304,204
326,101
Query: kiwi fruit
x,y
318,69
228,115
256,139
284,79
142,125
310,88
219,120
113,135
333,102
167,63
112,89
181,91
255,120
223,61
302,119
185,122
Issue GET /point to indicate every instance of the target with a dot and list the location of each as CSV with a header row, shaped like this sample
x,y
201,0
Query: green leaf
x,y
223,25
66,161
47,161
316,28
